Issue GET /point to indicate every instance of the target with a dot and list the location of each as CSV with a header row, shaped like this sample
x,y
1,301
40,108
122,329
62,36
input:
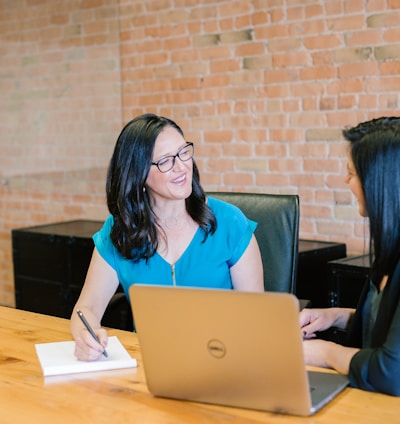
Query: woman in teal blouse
x,y
204,263
162,229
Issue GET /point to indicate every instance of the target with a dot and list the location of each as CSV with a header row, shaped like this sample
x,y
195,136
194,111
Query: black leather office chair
x,y
277,234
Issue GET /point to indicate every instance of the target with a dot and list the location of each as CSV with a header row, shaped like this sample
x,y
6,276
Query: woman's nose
x,y
179,164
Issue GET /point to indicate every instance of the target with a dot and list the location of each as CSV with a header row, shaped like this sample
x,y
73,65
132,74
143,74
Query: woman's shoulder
x,y
218,205
108,223
104,232
224,211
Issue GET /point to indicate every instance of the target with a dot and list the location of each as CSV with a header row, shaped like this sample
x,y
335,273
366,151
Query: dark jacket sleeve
x,y
378,368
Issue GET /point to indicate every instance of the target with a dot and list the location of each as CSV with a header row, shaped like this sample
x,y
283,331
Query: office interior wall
x,y
263,87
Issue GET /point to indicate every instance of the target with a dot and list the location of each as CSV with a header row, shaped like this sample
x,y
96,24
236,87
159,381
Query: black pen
x,y
90,329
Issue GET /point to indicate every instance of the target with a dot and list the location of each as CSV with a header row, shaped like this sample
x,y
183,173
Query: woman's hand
x,y
326,354
314,320
86,347
316,352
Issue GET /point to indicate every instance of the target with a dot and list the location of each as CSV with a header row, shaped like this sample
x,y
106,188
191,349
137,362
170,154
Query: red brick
x,y
254,84
238,179
384,20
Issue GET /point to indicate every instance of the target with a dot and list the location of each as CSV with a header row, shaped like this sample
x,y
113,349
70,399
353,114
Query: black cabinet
x,y
50,266
347,278
312,274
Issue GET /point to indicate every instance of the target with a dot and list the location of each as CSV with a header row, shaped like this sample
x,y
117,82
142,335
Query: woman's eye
x,y
184,153
163,161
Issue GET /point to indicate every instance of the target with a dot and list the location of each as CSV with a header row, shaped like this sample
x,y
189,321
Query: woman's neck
x,y
383,283
173,217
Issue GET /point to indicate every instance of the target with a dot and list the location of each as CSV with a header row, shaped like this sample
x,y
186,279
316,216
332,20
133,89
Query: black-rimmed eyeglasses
x,y
166,163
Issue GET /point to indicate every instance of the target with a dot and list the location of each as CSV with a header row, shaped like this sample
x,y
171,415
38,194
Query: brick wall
x,y
263,87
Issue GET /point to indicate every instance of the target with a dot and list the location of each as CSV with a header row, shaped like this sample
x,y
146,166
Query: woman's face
x,y
175,184
354,183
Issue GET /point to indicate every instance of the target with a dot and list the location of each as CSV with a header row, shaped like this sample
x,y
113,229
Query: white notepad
x,y
58,358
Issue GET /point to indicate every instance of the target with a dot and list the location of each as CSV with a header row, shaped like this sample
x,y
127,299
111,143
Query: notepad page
x,y
58,358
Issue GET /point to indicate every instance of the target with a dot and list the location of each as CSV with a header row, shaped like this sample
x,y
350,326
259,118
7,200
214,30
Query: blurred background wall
x,y
262,87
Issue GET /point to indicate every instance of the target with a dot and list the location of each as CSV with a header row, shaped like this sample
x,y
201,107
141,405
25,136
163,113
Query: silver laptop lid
x,y
222,347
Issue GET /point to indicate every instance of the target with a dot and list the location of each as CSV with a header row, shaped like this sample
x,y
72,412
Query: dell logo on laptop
x,y
216,348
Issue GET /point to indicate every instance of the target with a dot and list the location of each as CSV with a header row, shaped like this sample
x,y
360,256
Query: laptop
x,y
228,347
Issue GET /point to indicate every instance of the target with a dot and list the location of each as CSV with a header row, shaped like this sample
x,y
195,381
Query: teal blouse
x,y
203,264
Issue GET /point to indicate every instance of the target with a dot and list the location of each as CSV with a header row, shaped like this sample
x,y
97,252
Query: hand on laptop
x,y
323,353
314,320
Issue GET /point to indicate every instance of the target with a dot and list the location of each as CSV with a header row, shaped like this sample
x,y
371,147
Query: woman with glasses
x,y
162,229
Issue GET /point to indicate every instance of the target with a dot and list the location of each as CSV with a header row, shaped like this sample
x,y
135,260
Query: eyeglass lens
x,y
167,163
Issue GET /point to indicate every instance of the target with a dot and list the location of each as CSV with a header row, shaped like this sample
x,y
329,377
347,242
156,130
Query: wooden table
x,y
121,396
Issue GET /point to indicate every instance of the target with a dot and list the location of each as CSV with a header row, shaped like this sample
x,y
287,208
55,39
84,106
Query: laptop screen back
x,y
222,347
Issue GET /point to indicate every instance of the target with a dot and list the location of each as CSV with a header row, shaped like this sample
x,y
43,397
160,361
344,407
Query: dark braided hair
x,y
375,152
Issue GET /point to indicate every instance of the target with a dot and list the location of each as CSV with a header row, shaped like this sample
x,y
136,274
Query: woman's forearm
x,y
339,357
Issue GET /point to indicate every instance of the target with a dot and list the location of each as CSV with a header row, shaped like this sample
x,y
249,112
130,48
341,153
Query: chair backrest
x,y
277,234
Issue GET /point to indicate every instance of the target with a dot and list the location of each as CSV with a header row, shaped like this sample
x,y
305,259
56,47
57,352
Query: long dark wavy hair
x,y
375,152
135,231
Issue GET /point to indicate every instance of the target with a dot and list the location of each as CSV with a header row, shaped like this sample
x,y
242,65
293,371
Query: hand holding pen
x,y
90,329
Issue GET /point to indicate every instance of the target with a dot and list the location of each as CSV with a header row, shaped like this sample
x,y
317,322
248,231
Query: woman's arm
x,y
100,284
377,368
247,274
322,353
325,354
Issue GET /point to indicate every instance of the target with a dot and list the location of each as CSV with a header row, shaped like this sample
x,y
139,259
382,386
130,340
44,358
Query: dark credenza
x,y
312,272
50,266
51,261
347,278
